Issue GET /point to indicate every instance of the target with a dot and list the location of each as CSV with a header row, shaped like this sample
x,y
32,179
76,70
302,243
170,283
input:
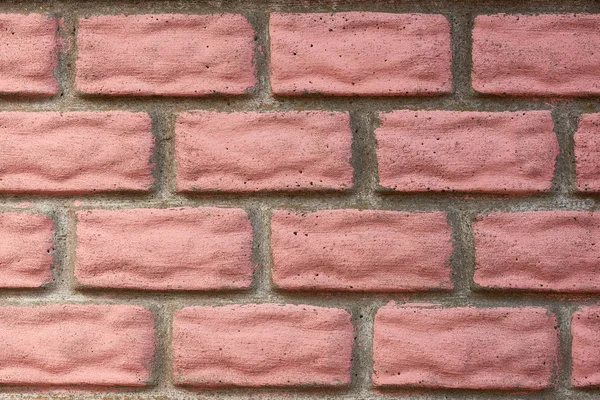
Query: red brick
x,y
464,348
502,152
585,330
538,250
25,250
543,54
68,344
75,152
29,55
166,54
587,153
185,248
247,152
358,53
379,251
266,345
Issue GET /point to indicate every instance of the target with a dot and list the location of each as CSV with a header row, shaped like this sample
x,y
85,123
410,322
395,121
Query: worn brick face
x,y
587,150
585,330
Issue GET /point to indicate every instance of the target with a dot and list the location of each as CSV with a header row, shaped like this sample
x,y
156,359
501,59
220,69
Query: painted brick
x,y
68,344
29,55
464,348
502,152
587,153
247,152
380,251
74,152
543,54
169,249
165,55
357,53
585,330
538,250
266,345
25,250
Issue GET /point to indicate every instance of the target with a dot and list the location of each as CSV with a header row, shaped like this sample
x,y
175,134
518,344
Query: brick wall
x,y
300,199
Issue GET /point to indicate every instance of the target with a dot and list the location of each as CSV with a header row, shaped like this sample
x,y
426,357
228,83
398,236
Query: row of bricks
x,y
328,250
349,53
272,345
417,151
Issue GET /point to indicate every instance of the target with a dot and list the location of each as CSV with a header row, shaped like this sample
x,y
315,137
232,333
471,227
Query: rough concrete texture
x,y
460,208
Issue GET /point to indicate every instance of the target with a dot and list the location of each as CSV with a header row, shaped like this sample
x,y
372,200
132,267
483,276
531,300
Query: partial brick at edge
x,y
497,152
464,348
354,250
531,55
262,345
70,344
165,55
585,347
54,153
538,251
205,248
587,153
360,53
253,151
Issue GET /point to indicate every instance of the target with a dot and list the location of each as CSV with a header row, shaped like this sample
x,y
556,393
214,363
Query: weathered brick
x,y
587,153
506,152
258,345
246,152
357,53
464,348
538,250
74,152
68,344
543,54
25,250
165,54
169,249
29,55
585,330
356,250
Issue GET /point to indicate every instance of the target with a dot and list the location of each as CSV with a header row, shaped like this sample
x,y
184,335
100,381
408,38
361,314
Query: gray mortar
x,y
364,194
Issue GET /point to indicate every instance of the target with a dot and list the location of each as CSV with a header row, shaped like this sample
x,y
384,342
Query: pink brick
x,y
505,152
247,152
29,55
75,152
538,250
25,250
354,250
165,54
68,344
465,348
262,345
585,330
537,54
358,53
178,249
587,153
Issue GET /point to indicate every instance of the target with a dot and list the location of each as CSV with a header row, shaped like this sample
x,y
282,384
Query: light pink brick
x,y
503,152
68,344
29,55
464,348
352,250
538,250
587,153
75,152
25,250
542,54
165,55
252,151
585,347
168,249
360,53
262,345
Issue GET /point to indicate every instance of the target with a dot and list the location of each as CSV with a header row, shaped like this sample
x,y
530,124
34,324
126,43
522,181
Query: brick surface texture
x,y
299,199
